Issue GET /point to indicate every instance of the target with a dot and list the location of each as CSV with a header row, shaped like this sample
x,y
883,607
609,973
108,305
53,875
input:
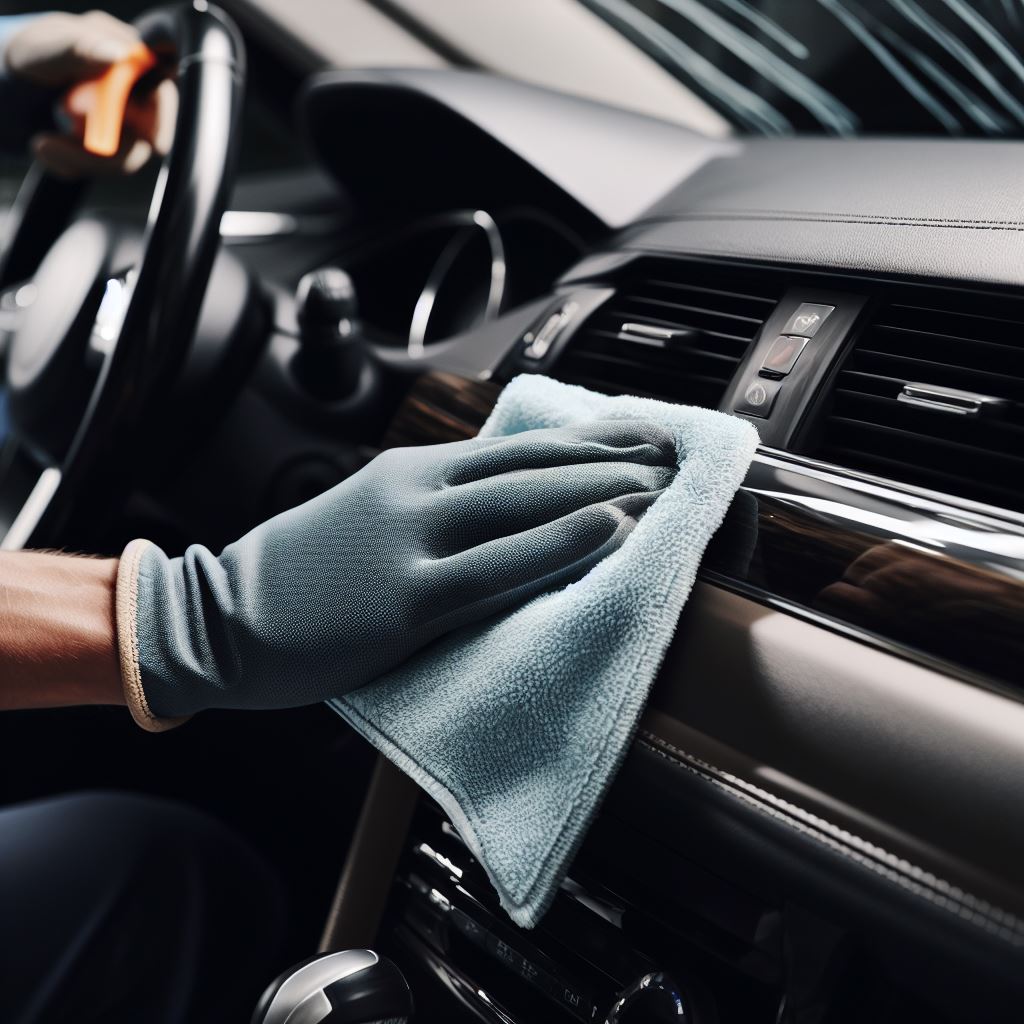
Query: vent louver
x,y
939,341
712,312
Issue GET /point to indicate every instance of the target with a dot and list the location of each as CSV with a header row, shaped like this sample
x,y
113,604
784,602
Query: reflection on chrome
x,y
468,221
874,509
256,224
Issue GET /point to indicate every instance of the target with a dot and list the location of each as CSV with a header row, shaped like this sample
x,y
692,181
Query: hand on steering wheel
x,y
60,50
83,383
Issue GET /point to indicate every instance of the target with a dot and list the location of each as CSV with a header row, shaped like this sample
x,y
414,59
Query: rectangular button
x,y
807,319
782,356
759,397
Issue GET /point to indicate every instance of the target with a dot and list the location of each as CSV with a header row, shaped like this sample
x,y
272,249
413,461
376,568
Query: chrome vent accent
x,y
932,394
674,330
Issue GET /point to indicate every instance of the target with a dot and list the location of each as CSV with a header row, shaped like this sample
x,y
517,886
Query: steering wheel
x,y
96,349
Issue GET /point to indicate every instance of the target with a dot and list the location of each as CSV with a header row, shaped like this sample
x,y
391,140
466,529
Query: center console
x,y
635,934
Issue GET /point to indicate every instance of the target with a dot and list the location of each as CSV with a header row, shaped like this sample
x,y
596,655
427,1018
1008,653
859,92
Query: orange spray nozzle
x,y
103,101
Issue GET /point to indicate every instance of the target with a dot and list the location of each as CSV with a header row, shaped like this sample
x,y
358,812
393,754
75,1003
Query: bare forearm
x,y
57,632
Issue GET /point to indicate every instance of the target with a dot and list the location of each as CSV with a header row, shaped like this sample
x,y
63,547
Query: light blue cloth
x,y
517,726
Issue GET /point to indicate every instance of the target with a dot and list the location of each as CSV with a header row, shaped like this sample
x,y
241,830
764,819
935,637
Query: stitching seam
x,y
742,211
897,870
905,222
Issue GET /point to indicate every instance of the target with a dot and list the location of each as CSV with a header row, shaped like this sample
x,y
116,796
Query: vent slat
x,y
921,442
935,479
914,332
688,351
643,300
623,315
968,342
886,410
726,306
728,295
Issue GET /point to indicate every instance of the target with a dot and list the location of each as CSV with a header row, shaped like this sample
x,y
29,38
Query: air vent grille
x,y
970,343
724,308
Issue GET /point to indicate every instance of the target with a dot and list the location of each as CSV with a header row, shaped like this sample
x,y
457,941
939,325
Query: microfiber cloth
x,y
517,726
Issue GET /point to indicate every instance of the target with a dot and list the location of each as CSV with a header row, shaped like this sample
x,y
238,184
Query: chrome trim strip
x,y
856,504
934,502
891,516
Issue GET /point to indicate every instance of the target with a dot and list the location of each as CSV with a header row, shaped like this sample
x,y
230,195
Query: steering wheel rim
x,y
198,45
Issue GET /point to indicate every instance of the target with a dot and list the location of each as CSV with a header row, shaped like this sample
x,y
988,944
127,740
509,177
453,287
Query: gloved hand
x,y
329,595
59,50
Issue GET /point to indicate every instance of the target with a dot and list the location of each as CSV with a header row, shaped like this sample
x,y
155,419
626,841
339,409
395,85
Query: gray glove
x,y
327,596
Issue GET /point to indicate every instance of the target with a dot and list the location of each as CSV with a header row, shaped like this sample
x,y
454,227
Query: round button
x,y
757,394
652,999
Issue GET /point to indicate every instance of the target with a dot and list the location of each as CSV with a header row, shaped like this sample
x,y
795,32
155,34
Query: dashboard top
x,y
857,204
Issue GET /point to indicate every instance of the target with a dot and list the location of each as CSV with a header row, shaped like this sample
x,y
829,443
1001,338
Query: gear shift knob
x,y
331,361
326,301
356,986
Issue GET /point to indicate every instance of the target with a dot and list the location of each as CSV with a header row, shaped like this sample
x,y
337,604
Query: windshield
x,y
841,67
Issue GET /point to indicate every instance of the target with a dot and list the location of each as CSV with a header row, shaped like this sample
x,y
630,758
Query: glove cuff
x,y
126,607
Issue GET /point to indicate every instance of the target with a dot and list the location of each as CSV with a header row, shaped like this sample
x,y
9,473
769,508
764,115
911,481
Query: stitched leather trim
x,y
126,603
1015,222
847,218
909,877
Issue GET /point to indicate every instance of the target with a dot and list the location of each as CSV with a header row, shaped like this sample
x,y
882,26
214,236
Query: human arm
x,y
327,596
57,636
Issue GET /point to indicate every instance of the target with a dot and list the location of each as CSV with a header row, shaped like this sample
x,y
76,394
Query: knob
x,y
652,999
331,359
356,986
326,301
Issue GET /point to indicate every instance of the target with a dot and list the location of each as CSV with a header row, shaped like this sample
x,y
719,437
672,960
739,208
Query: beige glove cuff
x,y
126,610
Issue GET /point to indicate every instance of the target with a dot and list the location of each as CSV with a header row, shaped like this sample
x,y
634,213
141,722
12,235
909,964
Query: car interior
x,y
807,214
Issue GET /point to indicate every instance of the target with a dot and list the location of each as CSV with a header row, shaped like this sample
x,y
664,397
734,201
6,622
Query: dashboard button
x,y
782,356
808,318
759,397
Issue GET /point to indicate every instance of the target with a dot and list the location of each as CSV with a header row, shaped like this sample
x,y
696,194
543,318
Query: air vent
x,y
932,394
674,330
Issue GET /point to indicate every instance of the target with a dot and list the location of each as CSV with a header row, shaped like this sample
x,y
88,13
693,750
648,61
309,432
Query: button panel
x,y
808,319
781,357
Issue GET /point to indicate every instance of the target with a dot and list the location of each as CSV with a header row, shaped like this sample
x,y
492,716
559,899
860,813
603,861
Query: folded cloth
x,y
517,726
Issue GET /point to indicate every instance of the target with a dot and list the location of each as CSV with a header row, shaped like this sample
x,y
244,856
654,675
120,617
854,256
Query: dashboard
x,y
820,816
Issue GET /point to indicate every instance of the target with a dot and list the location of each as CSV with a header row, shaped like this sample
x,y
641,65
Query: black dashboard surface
x,y
857,204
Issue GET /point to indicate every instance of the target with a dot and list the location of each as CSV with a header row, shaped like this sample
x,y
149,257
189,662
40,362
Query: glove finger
x,y
594,441
500,506
504,573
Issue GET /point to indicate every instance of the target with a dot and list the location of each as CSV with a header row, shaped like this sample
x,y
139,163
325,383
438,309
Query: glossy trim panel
x,y
938,583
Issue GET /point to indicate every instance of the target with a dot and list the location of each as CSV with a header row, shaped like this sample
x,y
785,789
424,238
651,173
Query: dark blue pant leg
x,y
118,907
